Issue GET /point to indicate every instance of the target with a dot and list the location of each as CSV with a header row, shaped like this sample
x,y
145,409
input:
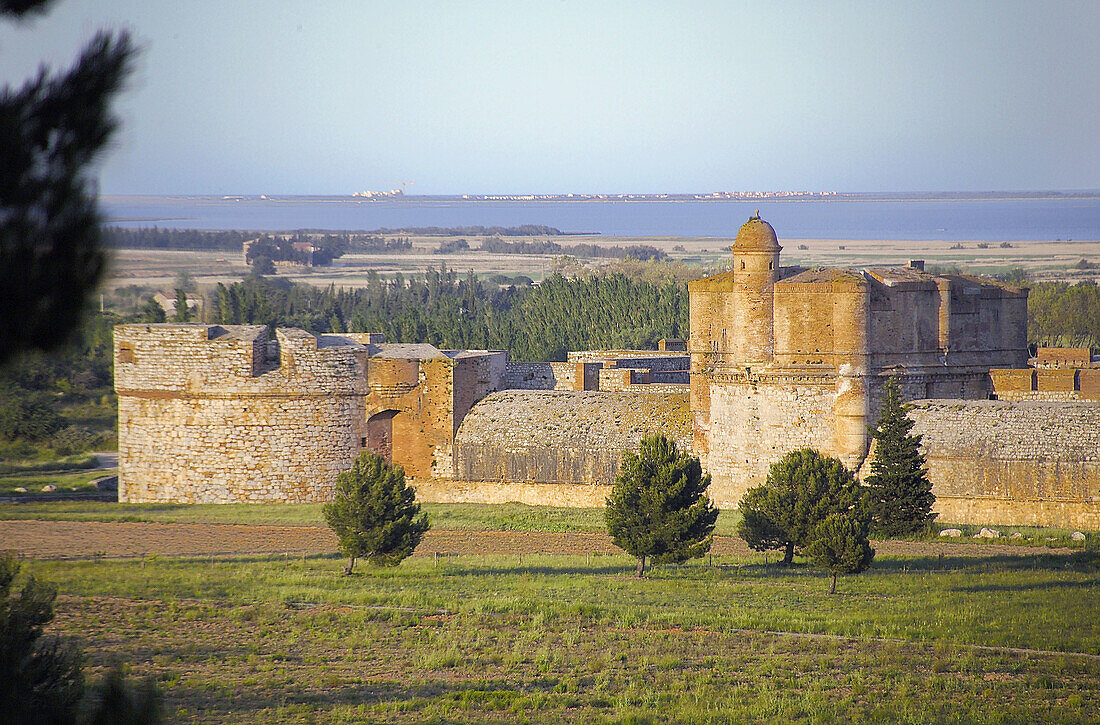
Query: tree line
x,y
497,245
447,310
523,230
1064,315
312,250
230,240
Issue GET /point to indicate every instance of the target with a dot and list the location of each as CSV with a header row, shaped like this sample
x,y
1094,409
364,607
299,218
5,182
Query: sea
x,y
993,218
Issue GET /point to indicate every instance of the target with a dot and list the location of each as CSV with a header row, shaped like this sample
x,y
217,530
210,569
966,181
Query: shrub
x,y
374,514
28,418
801,490
840,545
659,507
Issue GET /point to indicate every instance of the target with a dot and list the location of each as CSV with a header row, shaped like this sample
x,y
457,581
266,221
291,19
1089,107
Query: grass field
x,y
272,638
559,638
450,517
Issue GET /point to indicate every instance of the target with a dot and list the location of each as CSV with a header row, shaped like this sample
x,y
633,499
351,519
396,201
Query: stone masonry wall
x,y
232,449
529,376
556,437
752,426
996,462
206,415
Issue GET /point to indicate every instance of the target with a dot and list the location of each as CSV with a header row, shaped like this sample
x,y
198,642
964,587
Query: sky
x,y
560,96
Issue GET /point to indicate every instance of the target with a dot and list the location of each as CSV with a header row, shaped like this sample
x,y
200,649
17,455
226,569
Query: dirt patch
x,y
82,539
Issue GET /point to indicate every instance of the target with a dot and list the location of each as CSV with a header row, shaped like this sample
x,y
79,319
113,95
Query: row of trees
x,y
658,509
1064,315
449,311
497,245
522,230
575,309
299,248
809,504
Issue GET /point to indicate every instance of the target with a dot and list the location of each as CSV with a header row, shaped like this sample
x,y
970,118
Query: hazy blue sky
x,y
333,97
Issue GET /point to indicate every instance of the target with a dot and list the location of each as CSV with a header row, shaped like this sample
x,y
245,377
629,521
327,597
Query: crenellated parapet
x,y
211,360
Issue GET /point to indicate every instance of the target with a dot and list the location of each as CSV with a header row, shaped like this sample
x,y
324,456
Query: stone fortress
x,y
778,358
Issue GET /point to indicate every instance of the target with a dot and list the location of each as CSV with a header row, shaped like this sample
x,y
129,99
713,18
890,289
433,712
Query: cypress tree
x,y
658,507
374,514
901,494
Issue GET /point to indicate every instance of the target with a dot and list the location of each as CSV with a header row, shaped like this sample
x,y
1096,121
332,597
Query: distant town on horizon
x,y
718,196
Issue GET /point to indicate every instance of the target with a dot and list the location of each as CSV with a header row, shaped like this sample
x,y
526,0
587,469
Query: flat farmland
x,y
119,539
240,615
1043,260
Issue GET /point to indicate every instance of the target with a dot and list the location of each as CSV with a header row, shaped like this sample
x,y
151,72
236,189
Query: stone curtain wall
x,y
235,449
752,426
529,376
206,415
556,447
1023,463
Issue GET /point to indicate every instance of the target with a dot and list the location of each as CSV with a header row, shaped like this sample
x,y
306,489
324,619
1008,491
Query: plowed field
x,y
82,539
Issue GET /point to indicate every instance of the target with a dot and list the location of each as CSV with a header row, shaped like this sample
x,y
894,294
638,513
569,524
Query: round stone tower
x,y
755,271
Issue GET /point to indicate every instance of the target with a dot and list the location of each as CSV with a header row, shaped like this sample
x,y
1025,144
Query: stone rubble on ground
x,y
1077,536
985,533
954,533
49,488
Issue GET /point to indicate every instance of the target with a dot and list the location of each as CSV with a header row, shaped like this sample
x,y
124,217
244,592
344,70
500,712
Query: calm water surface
x,y
918,220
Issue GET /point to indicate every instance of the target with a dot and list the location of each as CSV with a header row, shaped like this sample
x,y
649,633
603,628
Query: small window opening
x,y
742,265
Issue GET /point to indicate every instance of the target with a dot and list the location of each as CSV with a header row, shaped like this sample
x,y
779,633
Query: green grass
x,y
450,517
34,481
51,463
475,639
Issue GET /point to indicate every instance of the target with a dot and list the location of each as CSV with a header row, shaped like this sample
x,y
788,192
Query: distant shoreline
x,y
611,199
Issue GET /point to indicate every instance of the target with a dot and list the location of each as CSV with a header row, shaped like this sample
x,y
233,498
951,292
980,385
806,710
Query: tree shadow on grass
x,y
451,569
995,563
466,695
1026,586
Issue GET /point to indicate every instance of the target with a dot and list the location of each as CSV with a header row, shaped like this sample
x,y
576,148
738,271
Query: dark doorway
x,y
380,434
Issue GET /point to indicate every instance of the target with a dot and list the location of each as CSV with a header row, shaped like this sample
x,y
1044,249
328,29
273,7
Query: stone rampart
x,y
1018,463
206,413
529,376
513,438
752,425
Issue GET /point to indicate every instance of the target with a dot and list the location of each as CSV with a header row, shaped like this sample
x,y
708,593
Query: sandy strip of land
x,y
82,539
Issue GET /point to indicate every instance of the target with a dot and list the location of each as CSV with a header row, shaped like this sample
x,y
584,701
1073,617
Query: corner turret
x,y
755,271
756,254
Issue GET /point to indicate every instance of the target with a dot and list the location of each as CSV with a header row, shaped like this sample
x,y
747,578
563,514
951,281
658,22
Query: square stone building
x,y
786,357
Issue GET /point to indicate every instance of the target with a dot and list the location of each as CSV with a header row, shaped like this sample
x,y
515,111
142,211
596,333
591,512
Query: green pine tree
x,y
658,507
840,545
801,490
53,130
901,494
374,514
40,676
